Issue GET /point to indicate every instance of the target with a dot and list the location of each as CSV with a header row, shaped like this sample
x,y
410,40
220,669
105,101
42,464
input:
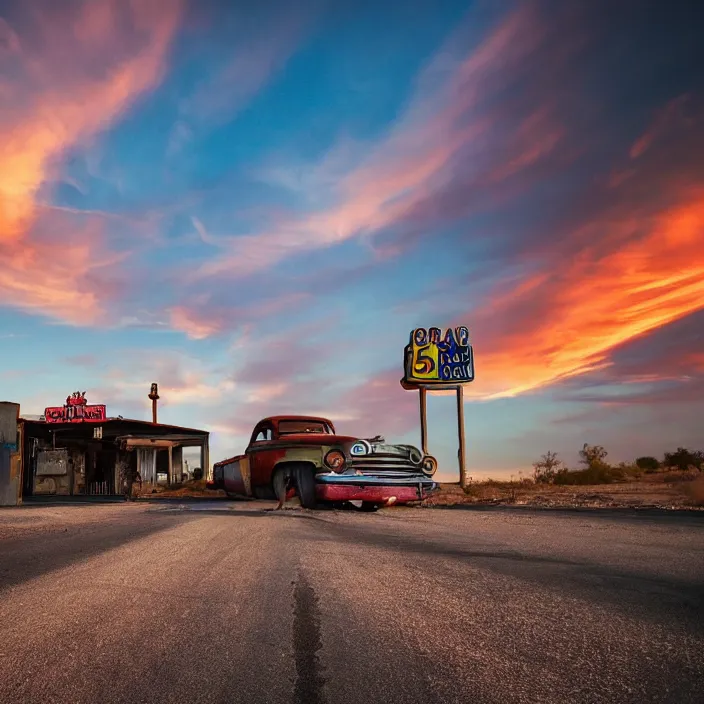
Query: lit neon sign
x,y
76,410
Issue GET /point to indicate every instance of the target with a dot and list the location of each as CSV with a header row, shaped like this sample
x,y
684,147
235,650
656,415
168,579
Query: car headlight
x,y
361,448
335,460
415,456
429,465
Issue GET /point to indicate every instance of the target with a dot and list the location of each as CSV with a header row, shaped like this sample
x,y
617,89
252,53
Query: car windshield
x,y
288,427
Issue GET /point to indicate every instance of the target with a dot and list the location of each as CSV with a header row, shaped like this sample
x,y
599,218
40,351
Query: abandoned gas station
x,y
77,450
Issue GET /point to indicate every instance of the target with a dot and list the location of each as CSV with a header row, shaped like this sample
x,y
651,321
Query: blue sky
x,y
253,207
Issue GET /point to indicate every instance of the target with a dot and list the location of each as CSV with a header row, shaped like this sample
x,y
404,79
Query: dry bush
x,y
694,490
675,476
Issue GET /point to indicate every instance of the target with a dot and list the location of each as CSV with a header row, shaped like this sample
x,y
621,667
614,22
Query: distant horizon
x,y
444,474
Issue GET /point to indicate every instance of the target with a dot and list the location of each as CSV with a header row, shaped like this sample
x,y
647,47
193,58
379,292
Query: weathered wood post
x,y
460,435
422,393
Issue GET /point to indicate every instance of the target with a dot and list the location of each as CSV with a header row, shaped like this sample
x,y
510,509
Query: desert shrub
x,y
648,464
593,456
197,474
599,474
628,469
683,459
546,468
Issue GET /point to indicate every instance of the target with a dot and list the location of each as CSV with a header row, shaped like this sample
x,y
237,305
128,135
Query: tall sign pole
x,y
460,435
422,396
154,396
433,362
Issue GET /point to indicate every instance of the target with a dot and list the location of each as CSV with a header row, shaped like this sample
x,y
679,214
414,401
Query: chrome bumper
x,y
381,479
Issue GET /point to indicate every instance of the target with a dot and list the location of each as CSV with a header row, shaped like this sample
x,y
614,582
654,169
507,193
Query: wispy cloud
x,y
448,120
71,73
255,55
183,380
202,318
666,118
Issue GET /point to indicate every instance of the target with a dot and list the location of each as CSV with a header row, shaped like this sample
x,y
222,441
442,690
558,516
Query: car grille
x,y
392,462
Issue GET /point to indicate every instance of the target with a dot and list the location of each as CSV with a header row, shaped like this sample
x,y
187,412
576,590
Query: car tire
x,y
304,477
369,507
278,484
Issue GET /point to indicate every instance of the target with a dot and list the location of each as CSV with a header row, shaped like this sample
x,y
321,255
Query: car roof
x,y
276,419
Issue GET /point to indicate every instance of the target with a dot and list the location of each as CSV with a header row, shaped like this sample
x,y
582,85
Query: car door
x,y
261,454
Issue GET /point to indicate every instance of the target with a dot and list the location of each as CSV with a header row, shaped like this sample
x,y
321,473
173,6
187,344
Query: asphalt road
x,y
227,602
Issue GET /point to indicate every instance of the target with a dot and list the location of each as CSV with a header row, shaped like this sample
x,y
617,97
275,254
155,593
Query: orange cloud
x,y
625,277
568,320
72,76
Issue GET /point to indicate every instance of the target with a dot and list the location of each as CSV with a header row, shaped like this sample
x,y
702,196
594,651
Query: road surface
x,y
229,602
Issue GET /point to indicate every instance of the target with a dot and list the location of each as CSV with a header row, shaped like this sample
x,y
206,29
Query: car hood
x,y
345,442
317,439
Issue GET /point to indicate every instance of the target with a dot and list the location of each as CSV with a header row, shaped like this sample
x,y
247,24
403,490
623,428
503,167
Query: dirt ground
x,y
188,489
674,491
634,494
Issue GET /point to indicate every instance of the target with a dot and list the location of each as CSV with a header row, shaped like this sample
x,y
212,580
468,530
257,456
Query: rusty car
x,y
304,456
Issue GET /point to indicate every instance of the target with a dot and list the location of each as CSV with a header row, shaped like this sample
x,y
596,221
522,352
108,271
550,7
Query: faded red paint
x,y
373,494
262,461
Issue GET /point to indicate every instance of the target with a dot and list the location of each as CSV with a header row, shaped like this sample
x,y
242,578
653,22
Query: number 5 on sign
x,y
425,354
425,362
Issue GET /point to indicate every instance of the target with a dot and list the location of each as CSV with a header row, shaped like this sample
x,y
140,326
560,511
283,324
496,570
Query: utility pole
x,y
154,396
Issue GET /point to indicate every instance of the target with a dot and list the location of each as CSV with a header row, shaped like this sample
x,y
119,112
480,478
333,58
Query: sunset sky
x,y
253,204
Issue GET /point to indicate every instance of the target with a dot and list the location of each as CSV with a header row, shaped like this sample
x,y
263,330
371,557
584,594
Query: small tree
x,y
684,459
547,467
648,464
593,456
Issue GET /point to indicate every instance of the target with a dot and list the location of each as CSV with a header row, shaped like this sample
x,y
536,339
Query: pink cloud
x,y
201,318
196,326
380,406
70,76
183,381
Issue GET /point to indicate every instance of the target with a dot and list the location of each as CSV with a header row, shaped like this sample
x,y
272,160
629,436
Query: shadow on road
x,y
645,595
625,513
54,547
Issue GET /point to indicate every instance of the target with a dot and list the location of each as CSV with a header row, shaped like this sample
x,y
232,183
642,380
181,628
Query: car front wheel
x,y
304,477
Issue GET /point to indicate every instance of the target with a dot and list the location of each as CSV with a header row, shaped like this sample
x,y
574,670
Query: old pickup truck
x,y
304,456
